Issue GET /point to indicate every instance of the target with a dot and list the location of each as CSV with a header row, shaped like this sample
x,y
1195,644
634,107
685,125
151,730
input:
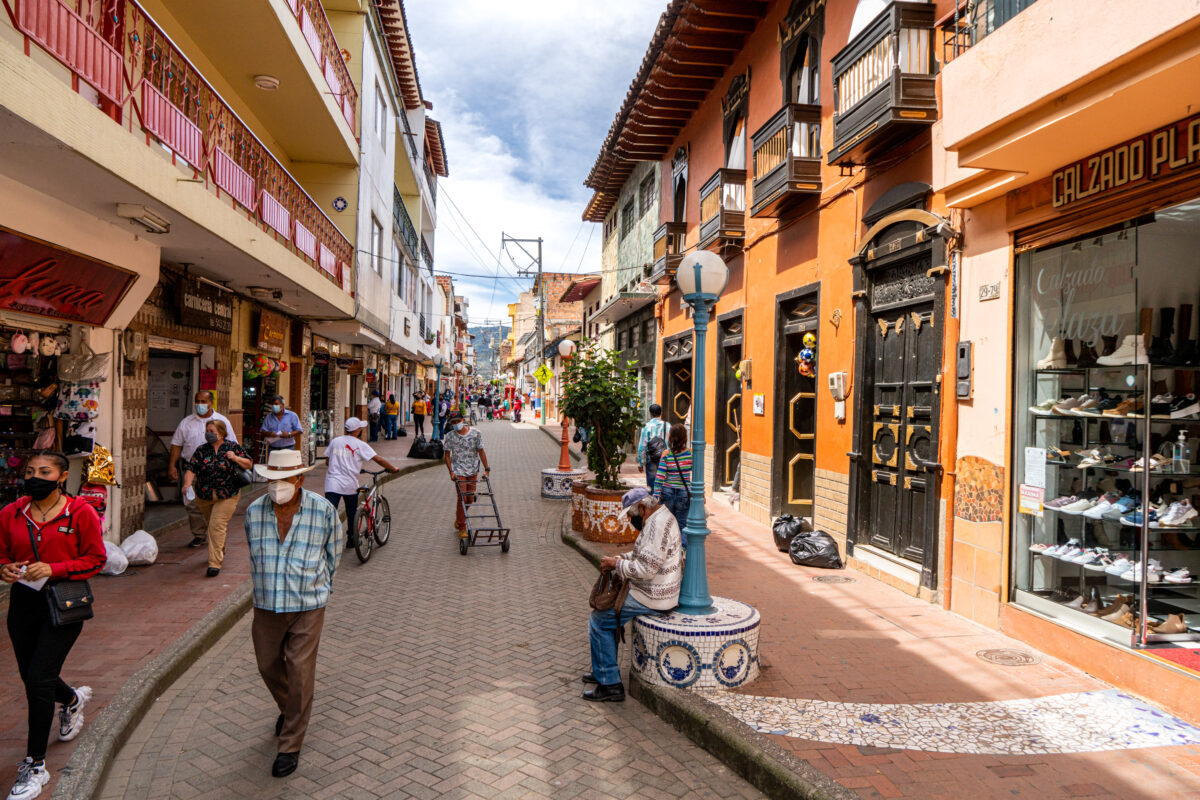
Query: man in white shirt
x,y
189,435
374,407
346,456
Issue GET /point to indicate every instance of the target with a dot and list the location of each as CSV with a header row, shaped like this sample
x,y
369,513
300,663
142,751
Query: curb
x,y
558,441
762,763
87,769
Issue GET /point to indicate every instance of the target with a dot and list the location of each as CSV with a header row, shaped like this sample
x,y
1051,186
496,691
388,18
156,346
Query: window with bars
x,y
610,225
627,218
646,195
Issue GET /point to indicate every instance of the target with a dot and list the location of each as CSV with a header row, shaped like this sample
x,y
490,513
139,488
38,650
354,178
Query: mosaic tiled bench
x,y
712,651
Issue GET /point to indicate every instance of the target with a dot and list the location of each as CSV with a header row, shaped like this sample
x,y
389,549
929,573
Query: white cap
x,y
354,424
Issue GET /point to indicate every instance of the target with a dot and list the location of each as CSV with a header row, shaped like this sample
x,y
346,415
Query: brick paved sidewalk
x,y
864,642
138,615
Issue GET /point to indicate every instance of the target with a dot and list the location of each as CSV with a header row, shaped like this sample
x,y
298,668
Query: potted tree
x,y
600,394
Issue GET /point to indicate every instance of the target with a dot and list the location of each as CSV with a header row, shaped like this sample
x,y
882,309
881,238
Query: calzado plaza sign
x,y
1158,154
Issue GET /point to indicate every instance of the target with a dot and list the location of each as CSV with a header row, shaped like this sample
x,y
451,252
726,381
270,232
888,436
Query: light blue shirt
x,y
297,573
288,422
653,427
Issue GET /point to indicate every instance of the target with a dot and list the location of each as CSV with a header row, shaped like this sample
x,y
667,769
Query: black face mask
x,y
40,488
636,521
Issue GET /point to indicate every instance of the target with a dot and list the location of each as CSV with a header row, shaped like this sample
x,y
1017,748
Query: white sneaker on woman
x,y
31,779
70,718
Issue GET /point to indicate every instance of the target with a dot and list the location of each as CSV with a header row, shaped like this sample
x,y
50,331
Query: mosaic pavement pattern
x,y
1067,723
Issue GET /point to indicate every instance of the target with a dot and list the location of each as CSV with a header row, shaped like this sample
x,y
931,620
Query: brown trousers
x,y
217,513
285,646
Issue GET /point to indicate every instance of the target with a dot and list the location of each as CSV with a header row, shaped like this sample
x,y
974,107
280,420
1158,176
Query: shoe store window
x,y
1105,495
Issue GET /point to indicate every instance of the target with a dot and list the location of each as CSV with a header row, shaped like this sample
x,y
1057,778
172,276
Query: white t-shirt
x,y
373,405
346,456
189,434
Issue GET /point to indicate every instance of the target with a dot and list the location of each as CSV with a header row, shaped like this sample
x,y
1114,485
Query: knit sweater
x,y
654,568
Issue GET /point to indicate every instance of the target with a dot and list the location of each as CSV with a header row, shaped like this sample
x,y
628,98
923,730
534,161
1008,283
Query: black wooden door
x,y
728,453
677,392
903,417
796,407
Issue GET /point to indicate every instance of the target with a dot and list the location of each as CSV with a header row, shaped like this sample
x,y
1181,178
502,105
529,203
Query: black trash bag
x,y
815,549
417,446
423,448
785,527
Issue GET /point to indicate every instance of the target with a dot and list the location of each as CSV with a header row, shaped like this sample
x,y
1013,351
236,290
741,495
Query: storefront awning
x,y
350,332
622,305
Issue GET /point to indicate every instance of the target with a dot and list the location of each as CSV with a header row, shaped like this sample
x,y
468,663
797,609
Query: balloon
x,y
810,340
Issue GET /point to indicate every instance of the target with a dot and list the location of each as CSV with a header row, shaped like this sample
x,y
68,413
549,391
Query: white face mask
x,y
281,491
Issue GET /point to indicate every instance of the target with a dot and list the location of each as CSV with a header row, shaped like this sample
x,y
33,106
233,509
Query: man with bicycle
x,y
346,456
463,447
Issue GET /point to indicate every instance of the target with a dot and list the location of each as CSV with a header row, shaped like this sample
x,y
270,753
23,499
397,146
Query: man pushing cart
x,y
464,454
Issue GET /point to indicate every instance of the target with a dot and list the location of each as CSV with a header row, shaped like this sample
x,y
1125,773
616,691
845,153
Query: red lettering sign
x,y
39,278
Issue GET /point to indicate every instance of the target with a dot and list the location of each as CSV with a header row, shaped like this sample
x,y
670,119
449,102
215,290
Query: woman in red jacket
x,y
70,547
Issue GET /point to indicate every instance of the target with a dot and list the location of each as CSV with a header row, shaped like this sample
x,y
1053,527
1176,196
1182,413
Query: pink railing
x,y
159,90
314,25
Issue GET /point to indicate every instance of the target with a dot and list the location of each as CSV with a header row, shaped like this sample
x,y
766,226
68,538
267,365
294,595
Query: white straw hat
x,y
282,464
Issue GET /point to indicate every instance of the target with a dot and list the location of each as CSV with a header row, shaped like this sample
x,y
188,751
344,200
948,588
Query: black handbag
x,y
69,601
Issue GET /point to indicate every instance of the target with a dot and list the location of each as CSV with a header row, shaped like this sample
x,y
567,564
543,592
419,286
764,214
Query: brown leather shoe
x,y
1174,623
1117,602
1118,615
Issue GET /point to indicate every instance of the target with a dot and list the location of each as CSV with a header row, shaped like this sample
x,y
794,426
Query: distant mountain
x,y
487,346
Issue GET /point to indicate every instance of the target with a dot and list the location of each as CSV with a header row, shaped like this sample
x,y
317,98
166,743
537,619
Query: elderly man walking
x,y
295,541
189,435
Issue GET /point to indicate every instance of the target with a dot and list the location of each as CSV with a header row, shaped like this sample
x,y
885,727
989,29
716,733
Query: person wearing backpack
x,y
674,473
652,444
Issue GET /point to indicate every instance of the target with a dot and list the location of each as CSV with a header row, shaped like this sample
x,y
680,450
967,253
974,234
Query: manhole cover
x,y
1008,658
832,579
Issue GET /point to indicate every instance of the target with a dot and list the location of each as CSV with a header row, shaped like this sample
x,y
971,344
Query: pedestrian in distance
x,y
189,435
346,456
280,426
391,412
374,411
295,541
46,535
654,571
211,481
419,409
674,473
651,444
463,453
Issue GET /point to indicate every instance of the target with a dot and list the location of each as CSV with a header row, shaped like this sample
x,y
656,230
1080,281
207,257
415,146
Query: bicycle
x,y
373,522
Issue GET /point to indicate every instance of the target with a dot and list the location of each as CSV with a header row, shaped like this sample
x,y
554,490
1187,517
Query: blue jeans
x,y
602,632
676,501
389,426
374,425
651,471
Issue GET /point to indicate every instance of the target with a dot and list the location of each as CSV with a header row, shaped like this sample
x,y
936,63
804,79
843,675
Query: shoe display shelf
x,y
1147,435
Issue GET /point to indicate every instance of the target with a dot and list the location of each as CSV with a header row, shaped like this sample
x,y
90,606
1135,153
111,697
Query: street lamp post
x,y
701,276
438,361
458,371
566,349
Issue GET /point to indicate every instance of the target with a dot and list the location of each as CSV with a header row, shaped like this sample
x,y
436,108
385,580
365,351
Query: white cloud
x,y
525,92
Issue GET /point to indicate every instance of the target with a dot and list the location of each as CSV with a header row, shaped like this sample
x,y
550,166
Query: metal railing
x,y
431,179
145,81
314,25
974,22
426,256
404,225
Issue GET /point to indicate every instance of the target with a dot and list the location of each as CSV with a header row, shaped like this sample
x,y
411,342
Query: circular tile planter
x,y
601,520
578,488
713,651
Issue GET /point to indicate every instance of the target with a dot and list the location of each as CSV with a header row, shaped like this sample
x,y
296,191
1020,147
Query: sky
x,y
526,91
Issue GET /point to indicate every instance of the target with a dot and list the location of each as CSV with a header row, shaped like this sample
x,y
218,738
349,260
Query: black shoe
x,y
198,541
590,679
613,693
285,764
213,572
279,725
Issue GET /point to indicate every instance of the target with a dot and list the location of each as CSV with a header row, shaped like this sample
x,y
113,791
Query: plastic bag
x,y
815,549
141,548
85,366
785,527
117,561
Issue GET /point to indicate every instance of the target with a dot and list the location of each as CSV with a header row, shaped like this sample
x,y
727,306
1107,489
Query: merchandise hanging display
x,y
29,396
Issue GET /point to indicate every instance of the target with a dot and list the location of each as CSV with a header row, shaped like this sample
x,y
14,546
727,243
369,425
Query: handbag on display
x,y
84,366
78,401
69,601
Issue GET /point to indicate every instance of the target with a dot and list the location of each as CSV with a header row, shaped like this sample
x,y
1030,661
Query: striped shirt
x,y
297,573
674,470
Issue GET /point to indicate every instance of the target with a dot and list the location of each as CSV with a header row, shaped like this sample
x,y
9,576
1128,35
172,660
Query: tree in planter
x,y
600,394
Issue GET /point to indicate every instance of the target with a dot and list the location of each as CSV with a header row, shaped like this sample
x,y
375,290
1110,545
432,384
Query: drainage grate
x,y
832,579
1008,658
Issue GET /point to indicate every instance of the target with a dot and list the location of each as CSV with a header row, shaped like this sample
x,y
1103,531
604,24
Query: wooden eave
x,y
400,51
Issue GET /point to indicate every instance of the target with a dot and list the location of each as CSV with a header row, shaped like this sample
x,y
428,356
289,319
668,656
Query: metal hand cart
x,y
484,528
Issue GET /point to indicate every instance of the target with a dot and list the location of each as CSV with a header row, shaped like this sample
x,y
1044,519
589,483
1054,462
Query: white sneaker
x,y
1180,513
1069,555
1044,408
1062,548
1056,358
1119,567
70,718
1131,351
1088,556
31,779
1101,508
1181,575
1079,506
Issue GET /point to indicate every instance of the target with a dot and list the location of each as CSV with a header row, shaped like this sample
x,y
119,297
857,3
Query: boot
x,y
1174,623
1110,345
1087,355
1072,360
1185,351
1118,601
1161,350
1056,358
1145,323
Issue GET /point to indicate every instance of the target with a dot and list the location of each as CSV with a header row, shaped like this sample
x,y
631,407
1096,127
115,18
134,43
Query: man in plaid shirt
x,y
295,541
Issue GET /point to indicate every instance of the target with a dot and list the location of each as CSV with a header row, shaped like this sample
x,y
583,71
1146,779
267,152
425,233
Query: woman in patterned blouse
x,y
674,472
212,475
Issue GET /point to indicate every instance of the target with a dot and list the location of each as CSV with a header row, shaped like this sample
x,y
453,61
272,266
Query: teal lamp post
x,y
701,278
438,362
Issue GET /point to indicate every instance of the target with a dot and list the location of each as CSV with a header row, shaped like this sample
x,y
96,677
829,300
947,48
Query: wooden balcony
x,y
787,160
723,211
668,250
884,84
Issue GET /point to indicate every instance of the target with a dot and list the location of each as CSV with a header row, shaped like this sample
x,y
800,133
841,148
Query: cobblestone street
x,y
439,676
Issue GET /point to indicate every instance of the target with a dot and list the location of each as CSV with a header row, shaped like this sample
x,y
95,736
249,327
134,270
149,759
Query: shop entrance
x,y
794,478
899,415
677,380
728,453
255,394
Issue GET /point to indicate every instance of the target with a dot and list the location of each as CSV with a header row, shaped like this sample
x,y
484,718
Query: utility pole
x,y
533,265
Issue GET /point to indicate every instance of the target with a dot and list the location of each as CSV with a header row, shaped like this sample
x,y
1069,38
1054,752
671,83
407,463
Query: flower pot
x,y
577,505
601,520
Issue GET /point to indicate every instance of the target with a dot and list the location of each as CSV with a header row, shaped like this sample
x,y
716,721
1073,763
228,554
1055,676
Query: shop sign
x,y
208,379
356,366
39,278
271,327
302,339
344,362
320,359
396,367
371,376
1159,154
1030,500
202,305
